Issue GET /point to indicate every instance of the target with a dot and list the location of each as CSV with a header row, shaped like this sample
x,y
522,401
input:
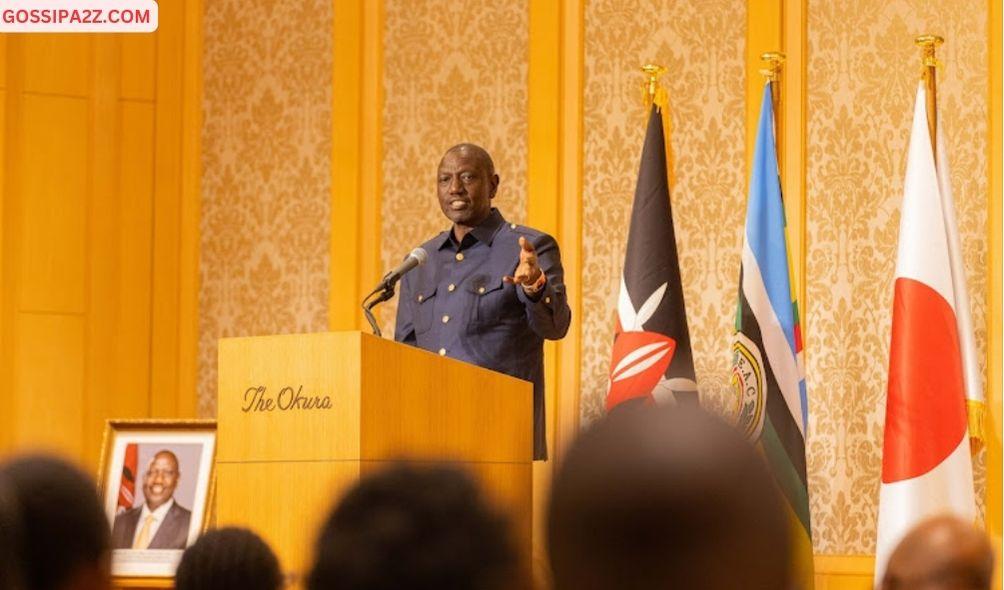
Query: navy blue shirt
x,y
457,305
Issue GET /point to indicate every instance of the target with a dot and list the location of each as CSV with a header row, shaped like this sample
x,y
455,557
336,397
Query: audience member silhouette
x,y
65,541
411,528
941,553
656,497
10,540
229,559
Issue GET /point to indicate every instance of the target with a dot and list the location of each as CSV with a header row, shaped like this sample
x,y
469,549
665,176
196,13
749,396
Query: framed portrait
x,y
157,481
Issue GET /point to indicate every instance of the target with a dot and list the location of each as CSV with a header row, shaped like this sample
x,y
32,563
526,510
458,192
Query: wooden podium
x,y
301,417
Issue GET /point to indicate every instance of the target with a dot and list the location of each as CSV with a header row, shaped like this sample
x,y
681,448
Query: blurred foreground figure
x,y
64,541
410,528
10,540
665,498
229,559
941,553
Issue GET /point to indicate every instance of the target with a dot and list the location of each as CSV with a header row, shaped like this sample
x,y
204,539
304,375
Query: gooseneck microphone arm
x,y
383,294
385,290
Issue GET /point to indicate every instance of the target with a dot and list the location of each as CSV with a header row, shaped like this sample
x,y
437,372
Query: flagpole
x,y
975,408
928,45
654,93
772,71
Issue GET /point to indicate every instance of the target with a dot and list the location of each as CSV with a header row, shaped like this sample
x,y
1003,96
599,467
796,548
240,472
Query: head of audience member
x,y
229,559
160,479
666,497
941,553
65,540
10,540
415,527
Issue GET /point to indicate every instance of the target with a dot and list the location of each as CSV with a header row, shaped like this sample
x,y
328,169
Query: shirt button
x,y
451,287
512,226
446,318
442,352
481,290
420,298
547,300
459,256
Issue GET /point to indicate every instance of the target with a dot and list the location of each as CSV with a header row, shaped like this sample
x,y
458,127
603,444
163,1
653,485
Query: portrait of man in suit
x,y
160,522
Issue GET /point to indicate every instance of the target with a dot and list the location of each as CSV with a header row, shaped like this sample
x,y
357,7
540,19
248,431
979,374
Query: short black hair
x,y
415,527
666,497
478,152
63,525
229,558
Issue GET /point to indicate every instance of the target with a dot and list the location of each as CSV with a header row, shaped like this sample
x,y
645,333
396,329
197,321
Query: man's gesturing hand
x,y
527,272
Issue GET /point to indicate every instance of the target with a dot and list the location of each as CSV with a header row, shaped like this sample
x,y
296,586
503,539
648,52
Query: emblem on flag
x,y
749,381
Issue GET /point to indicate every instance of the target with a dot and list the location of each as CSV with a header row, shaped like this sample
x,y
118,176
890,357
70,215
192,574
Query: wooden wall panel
x,y
48,397
102,257
167,217
3,61
53,143
139,80
91,218
57,64
135,243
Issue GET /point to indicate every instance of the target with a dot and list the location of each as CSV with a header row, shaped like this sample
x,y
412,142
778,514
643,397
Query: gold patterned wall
x,y
862,76
266,143
703,45
447,77
452,72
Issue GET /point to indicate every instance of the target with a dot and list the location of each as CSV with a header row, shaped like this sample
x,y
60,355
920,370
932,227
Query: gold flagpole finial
x,y
928,73
653,91
928,45
774,61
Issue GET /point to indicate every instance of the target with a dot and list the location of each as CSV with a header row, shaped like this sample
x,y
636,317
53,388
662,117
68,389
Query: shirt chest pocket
x,y
425,303
494,300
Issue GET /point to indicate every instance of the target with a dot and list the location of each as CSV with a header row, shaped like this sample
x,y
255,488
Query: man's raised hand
x,y
527,272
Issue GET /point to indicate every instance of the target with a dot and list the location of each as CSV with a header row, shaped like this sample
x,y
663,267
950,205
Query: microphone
x,y
417,257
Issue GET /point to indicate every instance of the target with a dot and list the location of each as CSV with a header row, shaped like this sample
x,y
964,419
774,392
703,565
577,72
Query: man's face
x,y
466,187
160,480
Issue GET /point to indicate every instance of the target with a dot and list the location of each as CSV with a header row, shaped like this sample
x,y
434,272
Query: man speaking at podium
x,y
492,291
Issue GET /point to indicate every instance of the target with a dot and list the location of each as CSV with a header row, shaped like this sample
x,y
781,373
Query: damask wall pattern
x,y
702,43
863,70
449,77
266,142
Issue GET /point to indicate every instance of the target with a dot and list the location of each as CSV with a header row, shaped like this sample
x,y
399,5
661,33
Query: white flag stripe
x,y
963,316
625,309
780,356
637,354
647,309
948,488
632,321
923,240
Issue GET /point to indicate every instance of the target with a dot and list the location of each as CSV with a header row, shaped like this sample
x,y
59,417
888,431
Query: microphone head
x,y
420,255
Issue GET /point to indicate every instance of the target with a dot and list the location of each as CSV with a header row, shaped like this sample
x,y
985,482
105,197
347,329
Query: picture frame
x,y
157,480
